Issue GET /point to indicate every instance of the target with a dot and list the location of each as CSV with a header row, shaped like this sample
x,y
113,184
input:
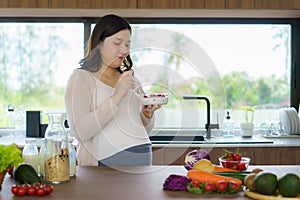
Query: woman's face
x,y
115,48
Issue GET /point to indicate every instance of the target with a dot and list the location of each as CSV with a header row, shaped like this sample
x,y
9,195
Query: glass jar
x,y
56,156
72,158
30,153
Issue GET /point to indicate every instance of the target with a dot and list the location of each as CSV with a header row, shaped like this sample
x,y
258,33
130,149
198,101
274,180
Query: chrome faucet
x,y
208,125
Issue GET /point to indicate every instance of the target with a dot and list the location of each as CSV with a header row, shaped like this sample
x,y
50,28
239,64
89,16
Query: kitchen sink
x,y
176,139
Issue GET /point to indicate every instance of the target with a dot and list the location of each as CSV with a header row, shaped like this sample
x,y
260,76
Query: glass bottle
x,y
10,118
72,158
228,126
56,156
30,153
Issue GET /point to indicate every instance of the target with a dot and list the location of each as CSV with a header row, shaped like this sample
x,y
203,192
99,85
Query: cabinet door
x,y
93,4
172,4
258,155
24,4
273,4
181,4
240,4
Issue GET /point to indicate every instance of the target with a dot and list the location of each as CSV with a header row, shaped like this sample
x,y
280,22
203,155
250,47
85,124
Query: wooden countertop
x,y
128,183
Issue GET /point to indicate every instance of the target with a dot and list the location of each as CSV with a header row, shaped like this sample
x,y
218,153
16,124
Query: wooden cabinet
x,y
93,4
218,4
24,3
153,4
258,155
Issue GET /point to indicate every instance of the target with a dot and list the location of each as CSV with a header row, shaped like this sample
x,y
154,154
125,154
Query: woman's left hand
x,y
148,110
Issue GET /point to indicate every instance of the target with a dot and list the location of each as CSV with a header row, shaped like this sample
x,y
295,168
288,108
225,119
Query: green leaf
x,y
9,156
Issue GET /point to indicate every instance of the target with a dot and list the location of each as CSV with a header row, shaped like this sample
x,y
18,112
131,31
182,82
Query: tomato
x,y
241,166
229,164
41,191
14,189
235,186
48,188
31,191
195,184
21,191
222,185
210,187
37,185
26,186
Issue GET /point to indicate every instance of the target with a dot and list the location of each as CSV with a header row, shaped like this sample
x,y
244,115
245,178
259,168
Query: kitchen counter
x,y
129,183
216,141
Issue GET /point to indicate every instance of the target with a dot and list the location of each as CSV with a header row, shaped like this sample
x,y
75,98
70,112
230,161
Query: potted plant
x,y
10,156
247,126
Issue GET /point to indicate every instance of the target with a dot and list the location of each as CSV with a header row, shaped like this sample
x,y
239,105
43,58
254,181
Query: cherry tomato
x,y
26,186
31,191
48,188
235,185
41,191
21,191
195,184
222,185
210,187
37,185
14,189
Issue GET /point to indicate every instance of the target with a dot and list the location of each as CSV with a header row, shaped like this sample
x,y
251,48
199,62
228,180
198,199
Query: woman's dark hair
x,y
105,27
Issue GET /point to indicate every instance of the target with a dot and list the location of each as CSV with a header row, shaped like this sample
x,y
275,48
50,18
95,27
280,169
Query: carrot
x,y
224,169
201,177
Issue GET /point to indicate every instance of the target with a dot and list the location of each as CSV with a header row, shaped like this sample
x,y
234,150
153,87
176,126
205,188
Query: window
x,y
35,61
233,62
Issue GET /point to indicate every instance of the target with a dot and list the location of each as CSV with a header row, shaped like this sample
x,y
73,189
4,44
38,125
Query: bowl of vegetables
x,y
234,160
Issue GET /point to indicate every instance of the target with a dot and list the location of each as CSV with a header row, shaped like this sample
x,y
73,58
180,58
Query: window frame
x,y
294,22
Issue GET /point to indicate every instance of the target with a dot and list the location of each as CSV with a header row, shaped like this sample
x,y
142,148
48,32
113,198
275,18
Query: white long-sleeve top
x,y
102,127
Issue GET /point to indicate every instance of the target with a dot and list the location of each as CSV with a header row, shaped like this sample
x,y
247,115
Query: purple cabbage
x,y
192,157
176,183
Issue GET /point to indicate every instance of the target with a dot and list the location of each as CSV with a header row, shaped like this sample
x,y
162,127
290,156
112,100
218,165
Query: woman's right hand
x,y
125,82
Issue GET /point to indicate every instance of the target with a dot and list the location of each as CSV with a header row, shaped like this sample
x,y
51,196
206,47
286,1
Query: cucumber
x,y
238,175
25,173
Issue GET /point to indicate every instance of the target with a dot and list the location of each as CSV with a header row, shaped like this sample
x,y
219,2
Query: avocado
x,y
289,185
25,173
265,183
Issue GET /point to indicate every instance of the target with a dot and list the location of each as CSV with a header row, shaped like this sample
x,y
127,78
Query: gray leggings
x,y
133,156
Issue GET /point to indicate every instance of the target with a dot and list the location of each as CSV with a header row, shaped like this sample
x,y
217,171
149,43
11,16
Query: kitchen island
x,y
129,183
